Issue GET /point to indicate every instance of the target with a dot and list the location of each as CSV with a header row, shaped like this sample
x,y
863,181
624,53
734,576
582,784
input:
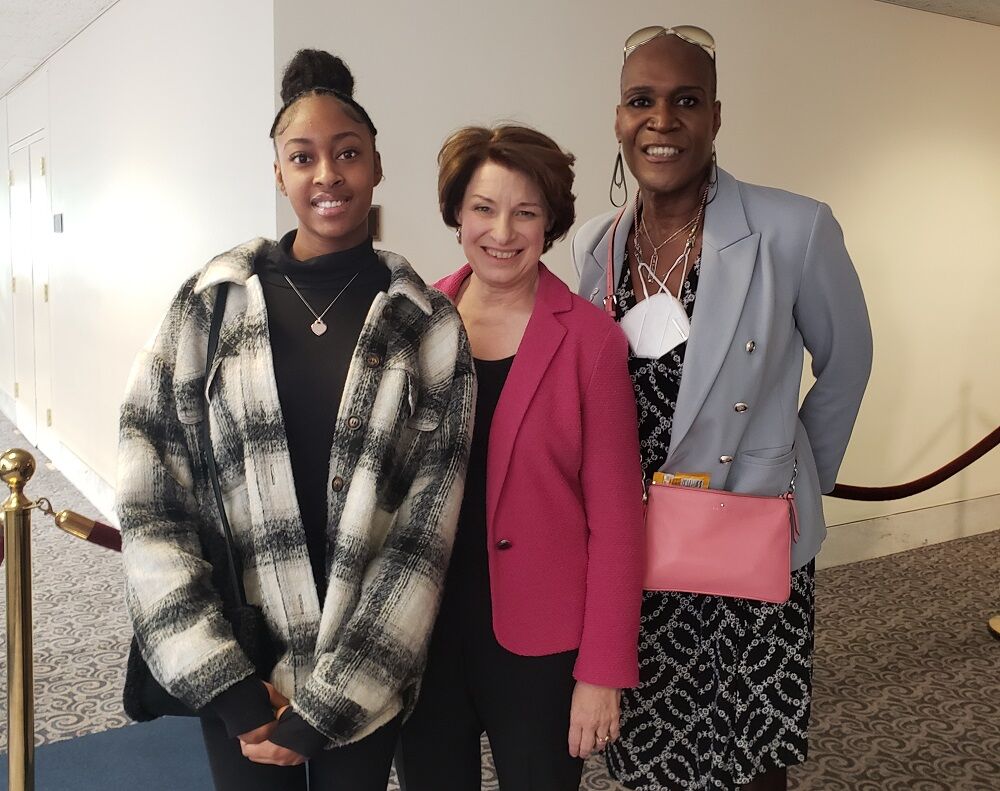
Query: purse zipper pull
x,y
792,516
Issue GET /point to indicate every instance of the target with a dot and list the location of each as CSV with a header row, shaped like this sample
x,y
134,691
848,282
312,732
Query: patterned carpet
x,y
81,630
907,676
907,679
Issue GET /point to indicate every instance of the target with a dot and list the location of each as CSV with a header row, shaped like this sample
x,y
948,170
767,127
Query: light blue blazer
x,y
775,278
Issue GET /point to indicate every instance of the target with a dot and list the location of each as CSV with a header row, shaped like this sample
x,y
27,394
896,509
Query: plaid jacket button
x,y
337,484
373,360
503,543
353,422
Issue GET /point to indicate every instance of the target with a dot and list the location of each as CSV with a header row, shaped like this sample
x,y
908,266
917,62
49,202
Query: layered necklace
x,y
319,327
647,270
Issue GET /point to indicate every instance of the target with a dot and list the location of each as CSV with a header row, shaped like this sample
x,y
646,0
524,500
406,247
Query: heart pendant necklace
x,y
318,327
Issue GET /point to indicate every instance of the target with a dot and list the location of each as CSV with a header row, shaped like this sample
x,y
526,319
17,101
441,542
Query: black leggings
x,y
361,766
473,685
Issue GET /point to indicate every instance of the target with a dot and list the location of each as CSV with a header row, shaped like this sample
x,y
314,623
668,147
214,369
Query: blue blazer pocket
x,y
766,471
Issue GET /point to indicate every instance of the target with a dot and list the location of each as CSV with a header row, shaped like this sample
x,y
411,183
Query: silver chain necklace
x,y
655,255
649,269
318,327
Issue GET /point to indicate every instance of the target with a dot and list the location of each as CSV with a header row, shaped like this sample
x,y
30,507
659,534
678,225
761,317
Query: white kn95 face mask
x,y
656,325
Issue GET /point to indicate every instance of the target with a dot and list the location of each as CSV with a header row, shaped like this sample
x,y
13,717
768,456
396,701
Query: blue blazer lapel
x,y
729,255
542,338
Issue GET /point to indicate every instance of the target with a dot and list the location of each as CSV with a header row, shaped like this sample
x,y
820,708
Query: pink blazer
x,y
564,506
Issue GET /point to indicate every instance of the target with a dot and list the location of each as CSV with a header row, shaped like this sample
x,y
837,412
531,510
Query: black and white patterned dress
x,y
725,684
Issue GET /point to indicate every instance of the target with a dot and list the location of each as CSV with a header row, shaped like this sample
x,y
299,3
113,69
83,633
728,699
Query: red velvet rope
x,y
103,535
898,492
108,537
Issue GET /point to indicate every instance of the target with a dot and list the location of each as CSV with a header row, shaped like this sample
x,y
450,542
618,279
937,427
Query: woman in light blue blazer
x,y
754,275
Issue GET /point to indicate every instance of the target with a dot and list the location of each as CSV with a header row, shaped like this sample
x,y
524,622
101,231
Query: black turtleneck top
x,y
310,371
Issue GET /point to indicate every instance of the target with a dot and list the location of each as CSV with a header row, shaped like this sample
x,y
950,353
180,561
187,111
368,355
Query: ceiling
x,y
987,11
31,30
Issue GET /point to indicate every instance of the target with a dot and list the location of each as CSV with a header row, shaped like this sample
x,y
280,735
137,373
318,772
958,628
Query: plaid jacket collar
x,y
237,266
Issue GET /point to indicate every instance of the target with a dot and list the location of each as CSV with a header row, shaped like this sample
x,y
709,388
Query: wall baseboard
x,y
846,543
886,535
99,492
7,406
91,485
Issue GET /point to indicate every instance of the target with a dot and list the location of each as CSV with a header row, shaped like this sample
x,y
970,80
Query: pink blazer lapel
x,y
450,284
542,338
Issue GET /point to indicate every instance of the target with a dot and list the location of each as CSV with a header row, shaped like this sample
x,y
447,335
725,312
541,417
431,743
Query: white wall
x,y
6,298
158,120
886,113
28,107
159,159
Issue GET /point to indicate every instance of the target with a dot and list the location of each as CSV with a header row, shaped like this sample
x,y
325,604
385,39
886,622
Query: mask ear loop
x,y
642,282
661,283
635,243
643,267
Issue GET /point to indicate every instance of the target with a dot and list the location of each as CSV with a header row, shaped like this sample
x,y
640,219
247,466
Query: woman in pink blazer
x,y
538,628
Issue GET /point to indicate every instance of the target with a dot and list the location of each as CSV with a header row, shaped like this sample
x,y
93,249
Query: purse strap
x,y
236,580
609,288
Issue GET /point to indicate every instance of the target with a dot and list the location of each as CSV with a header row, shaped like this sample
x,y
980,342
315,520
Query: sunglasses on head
x,y
689,33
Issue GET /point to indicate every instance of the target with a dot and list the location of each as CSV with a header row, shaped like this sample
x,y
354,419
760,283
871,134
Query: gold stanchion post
x,y
16,469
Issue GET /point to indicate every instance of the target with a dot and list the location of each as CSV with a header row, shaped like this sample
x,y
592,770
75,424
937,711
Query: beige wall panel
x,y
888,114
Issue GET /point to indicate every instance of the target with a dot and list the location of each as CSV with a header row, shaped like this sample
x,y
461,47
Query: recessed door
x,y
23,296
30,234
41,239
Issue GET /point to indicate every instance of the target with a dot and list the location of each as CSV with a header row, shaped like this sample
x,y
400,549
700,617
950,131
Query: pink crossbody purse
x,y
711,541
719,543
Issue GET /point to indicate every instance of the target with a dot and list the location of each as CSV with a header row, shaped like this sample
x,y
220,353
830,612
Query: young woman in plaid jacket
x,y
341,457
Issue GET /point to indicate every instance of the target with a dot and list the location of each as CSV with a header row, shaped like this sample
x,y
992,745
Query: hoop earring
x,y
458,234
618,180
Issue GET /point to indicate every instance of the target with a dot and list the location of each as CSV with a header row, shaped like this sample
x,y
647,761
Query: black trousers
x,y
361,766
473,685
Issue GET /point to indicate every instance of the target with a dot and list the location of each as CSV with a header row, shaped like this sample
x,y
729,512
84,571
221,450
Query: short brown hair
x,y
519,148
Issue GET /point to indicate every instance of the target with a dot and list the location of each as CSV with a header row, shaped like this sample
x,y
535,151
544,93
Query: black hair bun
x,y
314,68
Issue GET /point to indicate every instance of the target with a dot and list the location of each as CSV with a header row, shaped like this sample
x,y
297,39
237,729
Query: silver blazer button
x,y
725,459
751,345
739,406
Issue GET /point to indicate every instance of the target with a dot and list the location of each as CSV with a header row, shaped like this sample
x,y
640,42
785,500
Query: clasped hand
x,y
593,719
257,745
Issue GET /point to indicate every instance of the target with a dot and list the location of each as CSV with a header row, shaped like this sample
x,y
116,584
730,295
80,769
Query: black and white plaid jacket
x,y
352,662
